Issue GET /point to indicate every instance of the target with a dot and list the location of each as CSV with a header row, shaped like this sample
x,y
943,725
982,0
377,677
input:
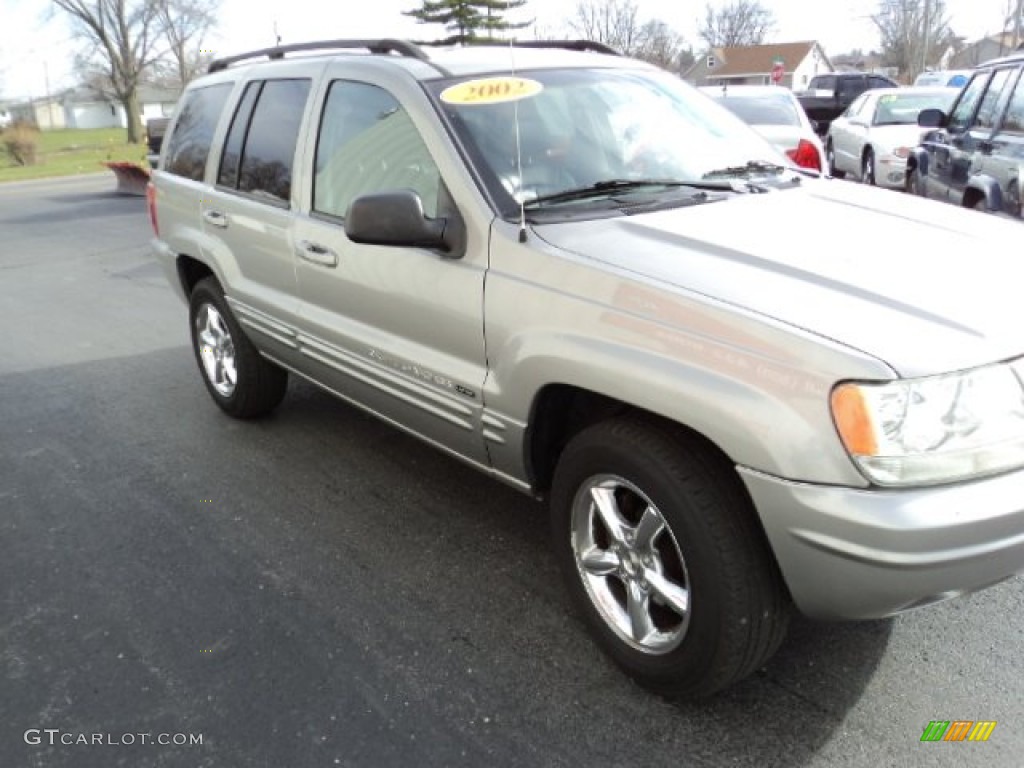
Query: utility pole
x,y
1016,24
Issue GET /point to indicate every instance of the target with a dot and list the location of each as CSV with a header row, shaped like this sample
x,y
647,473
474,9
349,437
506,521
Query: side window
x,y
855,107
851,86
823,83
960,118
367,143
1014,120
189,144
993,100
265,169
227,176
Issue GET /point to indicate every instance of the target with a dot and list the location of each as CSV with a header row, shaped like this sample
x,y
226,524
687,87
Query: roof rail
x,y
385,45
572,45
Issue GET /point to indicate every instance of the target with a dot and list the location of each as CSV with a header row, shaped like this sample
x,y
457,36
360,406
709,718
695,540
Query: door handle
x,y
317,254
216,218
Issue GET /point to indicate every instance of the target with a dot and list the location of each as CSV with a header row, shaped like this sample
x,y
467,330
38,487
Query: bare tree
x,y
612,22
185,24
738,23
617,23
123,36
913,34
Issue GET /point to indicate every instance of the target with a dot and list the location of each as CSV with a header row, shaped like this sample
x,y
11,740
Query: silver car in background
x,y
775,113
876,135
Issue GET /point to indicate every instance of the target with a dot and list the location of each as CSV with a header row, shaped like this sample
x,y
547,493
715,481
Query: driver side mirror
x,y
931,118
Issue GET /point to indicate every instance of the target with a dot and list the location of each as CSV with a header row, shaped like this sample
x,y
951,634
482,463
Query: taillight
x,y
151,205
805,155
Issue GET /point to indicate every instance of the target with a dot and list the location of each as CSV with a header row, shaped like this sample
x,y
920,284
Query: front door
x,y
396,330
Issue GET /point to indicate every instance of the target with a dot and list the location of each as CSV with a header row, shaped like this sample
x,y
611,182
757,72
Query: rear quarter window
x,y
189,144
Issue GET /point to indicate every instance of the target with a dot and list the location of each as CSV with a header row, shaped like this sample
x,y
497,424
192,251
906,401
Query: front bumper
x,y
891,172
849,553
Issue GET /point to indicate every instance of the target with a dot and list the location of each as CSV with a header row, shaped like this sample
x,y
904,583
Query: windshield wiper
x,y
748,169
602,188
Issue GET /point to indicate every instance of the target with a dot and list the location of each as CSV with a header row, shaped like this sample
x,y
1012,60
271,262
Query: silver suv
x,y
586,279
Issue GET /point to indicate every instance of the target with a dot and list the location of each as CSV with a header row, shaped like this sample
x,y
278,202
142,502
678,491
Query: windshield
x,y
579,129
903,108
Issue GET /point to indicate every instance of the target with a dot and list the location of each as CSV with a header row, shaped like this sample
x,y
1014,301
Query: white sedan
x,y
874,136
774,112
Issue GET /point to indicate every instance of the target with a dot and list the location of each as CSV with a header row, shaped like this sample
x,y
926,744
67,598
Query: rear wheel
x,y
980,205
241,382
664,556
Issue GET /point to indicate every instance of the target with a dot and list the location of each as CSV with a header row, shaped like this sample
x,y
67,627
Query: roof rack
x,y
572,45
385,45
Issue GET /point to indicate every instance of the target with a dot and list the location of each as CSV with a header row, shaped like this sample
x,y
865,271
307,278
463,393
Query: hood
x,y
925,287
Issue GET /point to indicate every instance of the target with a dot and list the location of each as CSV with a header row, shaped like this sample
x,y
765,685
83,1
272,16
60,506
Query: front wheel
x,y
239,380
867,168
665,558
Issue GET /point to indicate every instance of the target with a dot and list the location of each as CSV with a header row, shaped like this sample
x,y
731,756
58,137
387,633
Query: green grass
x,y
73,152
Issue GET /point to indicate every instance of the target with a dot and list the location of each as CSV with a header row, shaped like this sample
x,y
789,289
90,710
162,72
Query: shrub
x,y
21,141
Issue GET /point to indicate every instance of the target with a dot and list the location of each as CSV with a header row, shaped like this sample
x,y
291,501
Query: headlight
x,y
901,152
936,429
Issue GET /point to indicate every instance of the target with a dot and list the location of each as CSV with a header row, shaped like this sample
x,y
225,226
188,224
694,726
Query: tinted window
x,y
1014,120
991,102
266,168
762,110
189,145
824,83
228,174
849,86
969,99
367,143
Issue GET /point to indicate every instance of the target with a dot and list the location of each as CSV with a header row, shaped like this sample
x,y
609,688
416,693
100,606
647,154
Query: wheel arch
x,y
982,187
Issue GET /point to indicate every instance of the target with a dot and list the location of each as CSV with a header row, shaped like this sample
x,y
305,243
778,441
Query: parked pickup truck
x,y
828,96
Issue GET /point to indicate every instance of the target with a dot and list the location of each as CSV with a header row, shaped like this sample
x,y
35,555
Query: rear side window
x,y
993,101
1014,120
259,153
269,152
189,145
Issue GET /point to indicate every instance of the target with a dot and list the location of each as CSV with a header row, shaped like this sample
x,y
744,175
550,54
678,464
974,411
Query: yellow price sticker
x,y
491,90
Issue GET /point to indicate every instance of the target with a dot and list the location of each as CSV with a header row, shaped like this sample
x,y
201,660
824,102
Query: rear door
x,y
398,330
247,214
1002,156
969,147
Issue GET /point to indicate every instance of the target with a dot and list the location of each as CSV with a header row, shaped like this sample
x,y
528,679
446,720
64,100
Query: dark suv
x,y
974,155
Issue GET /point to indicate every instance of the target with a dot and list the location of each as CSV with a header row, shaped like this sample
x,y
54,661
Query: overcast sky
x,y
34,42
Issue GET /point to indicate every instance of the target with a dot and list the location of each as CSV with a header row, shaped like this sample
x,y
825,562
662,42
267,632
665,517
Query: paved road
x,y
317,589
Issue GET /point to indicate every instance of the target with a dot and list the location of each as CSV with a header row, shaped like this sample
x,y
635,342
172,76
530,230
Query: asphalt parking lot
x,y
317,589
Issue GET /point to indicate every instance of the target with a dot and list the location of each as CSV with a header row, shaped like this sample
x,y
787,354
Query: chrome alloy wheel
x,y
630,564
216,350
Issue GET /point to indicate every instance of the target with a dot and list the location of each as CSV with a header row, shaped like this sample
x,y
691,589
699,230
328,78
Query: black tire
x,y
830,160
738,607
867,168
256,386
915,183
981,204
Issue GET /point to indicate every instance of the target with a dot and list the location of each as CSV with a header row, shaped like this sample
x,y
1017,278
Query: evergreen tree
x,y
467,18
